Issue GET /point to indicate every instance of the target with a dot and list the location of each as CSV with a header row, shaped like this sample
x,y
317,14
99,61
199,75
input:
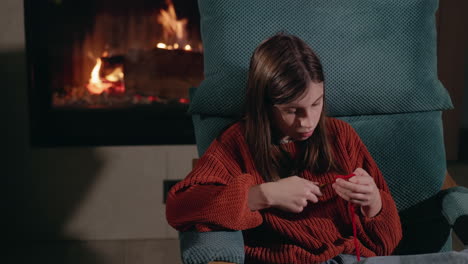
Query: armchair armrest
x,y
455,210
212,247
428,224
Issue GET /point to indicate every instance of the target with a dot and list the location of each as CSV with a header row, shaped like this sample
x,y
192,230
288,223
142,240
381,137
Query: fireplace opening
x,y
114,72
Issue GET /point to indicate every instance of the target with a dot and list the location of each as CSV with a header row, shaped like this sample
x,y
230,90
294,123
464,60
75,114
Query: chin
x,y
303,136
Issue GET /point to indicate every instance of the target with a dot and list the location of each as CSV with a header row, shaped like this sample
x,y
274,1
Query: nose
x,y
306,119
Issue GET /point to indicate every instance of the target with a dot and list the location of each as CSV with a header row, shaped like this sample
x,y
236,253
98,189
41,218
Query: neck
x,y
285,140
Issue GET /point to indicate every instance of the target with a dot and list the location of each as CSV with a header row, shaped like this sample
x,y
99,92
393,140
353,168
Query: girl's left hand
x,y
361,190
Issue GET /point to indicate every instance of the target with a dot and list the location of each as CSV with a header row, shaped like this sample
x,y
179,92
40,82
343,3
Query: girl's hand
x,y
290,194
361,190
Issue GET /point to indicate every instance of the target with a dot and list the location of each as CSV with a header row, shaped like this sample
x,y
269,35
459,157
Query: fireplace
x,y
117,72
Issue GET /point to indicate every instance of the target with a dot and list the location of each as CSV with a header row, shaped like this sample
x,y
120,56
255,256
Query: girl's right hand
x,y
290,194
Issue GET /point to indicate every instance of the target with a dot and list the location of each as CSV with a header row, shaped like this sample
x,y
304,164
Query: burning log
x,y
163,73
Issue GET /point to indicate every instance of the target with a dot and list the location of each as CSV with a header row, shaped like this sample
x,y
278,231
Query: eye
x,y
290,111
317,103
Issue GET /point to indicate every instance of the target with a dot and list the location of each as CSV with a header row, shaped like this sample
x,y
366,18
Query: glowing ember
x,y
183,101
161,45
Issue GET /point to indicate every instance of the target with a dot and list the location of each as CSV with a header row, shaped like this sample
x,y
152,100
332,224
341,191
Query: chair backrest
x,y
379,56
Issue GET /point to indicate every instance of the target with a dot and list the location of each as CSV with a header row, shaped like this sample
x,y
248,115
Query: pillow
x,y
379,56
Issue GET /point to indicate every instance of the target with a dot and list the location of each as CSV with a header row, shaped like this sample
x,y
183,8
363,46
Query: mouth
x,y
307,134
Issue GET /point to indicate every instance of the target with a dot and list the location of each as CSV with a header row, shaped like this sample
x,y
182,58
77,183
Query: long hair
x,y
281,68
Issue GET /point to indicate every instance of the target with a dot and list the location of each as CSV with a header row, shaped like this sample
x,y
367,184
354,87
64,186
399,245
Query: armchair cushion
x,y
201,248
455,210
207,128
379,53
455,204
409,150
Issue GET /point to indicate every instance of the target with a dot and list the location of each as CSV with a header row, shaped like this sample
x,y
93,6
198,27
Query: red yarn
x,y
351,215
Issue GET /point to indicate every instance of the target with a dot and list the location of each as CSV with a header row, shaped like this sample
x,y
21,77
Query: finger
x,y
297,209
299,203
341,192
361,180
357,202
348,197
359,197
364,195
360,172
293,208
314,188
353,187
360,202
312,197
302,202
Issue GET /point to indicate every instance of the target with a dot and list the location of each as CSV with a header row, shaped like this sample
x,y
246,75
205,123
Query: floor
x,y
159,251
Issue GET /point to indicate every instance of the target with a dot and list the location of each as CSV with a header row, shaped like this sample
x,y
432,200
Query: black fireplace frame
x,y
168,124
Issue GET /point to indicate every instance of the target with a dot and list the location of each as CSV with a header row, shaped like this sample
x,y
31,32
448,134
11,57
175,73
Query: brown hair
x,y
281,68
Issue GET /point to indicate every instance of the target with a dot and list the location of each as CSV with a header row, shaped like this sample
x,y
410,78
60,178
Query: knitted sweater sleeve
x,y
383,232
213,196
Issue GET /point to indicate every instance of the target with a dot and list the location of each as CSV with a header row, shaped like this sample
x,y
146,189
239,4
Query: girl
x,y
301,186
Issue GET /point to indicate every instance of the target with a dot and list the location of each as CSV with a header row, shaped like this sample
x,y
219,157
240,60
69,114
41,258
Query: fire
x,y
171,25
98,85
116,75
161,45
95,85
173,29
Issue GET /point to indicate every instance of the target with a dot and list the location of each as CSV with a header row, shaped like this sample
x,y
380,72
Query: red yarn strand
x,y
353,220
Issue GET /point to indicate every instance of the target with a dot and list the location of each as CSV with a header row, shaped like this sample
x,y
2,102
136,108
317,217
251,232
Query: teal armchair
x,y
380,66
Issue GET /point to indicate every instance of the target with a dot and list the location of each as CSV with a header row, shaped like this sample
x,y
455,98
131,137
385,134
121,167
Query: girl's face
x,y
298,119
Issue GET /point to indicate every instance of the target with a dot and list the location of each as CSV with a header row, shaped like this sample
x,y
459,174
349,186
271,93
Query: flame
x,y
96,84
171,25
173,29
116,75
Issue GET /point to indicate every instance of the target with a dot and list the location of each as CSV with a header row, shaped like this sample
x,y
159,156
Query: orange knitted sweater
x,y
214,197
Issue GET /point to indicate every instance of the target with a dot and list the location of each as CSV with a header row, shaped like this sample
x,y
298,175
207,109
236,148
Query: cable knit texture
x,y
214,197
